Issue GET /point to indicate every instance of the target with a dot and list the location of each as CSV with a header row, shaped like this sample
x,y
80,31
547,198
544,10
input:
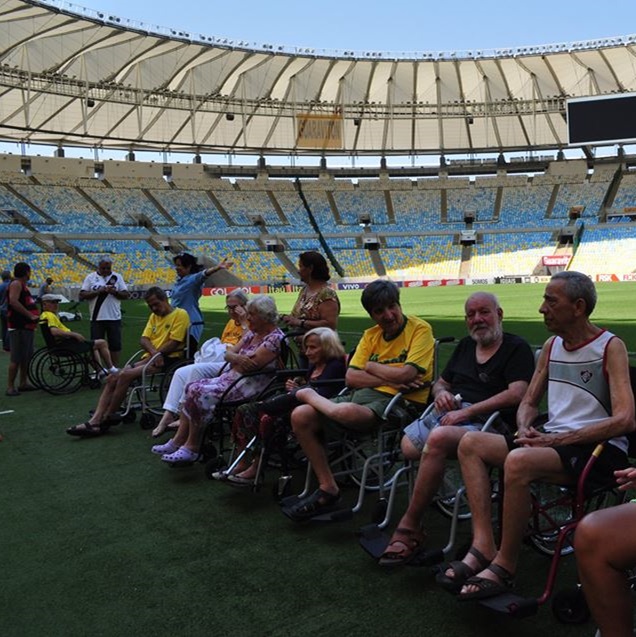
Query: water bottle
x,y
458,404
432,418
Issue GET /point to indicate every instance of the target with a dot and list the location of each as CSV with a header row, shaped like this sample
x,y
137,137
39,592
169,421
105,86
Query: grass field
x,y
99,538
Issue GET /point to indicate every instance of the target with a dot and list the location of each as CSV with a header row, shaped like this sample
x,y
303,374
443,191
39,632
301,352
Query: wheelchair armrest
x,y
134,358
290,373
387,410
326,382
493,421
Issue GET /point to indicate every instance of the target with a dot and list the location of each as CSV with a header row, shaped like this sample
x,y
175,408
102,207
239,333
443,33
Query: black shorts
x,y
110,330
79,347
575,457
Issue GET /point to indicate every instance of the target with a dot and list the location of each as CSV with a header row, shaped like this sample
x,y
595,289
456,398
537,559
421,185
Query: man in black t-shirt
x,y
490,370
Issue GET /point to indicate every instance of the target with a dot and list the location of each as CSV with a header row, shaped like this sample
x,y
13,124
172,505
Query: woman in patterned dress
x,y
258,350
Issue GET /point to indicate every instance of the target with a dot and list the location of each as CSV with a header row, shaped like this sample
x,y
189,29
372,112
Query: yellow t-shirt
x,y
173,326
414,345
53,320
232,333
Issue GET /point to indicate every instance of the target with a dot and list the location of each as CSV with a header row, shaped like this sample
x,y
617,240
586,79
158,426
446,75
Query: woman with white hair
x,y
326,373
258,350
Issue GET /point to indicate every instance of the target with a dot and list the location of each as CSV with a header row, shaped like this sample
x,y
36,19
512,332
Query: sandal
x,y
487,588
318,503
87,430
461,571
403,547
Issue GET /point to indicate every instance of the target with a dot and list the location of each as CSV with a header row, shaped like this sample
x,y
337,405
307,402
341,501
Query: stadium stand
x,y
62,222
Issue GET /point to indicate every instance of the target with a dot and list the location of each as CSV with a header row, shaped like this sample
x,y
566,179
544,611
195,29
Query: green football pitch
x,y
98,537
443,307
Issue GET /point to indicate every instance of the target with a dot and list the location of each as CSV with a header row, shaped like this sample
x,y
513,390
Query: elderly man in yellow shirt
x,y
165,335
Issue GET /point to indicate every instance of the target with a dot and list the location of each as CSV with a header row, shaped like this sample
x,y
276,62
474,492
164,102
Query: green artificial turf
x,y
98,537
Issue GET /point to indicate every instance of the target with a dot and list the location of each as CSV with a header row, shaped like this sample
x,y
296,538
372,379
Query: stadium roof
x,y
98,80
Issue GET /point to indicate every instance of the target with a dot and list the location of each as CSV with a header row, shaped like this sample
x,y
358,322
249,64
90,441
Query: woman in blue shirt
x,y
187,290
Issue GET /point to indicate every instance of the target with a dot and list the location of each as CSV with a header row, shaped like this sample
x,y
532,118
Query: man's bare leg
x,y
522,467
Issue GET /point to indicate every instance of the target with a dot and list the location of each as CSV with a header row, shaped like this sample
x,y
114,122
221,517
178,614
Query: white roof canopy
x,y
86,80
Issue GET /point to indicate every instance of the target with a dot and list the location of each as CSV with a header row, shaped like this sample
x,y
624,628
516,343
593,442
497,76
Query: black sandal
x,y
461,571
487,588
86,430
318,503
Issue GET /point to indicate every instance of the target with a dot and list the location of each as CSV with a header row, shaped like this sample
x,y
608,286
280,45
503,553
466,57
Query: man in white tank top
x,y
586,372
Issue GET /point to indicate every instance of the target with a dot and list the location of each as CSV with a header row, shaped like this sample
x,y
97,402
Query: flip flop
x,y
411,541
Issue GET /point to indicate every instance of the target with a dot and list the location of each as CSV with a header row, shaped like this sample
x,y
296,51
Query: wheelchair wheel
x,y
166,379
214,465
148,420
61,372
356,453
552,508
570,607
447,493
33,366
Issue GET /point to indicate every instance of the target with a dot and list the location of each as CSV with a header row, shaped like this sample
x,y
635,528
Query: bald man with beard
x,y
491,370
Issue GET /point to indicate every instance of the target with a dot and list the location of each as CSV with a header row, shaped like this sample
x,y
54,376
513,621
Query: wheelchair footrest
x,y
339,515
373,540
511,604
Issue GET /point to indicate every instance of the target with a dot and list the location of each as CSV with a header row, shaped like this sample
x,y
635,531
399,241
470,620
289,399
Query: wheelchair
x,y
144,394
58,369
275,445
214,446
147,394
556,512
368,460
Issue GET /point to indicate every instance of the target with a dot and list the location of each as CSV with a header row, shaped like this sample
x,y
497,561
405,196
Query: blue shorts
x,y
419,430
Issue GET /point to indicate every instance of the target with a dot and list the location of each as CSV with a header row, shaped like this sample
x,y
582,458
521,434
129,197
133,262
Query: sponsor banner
x,y
606,277
508,280
480,281
248,289
539,279
278,288
351,286
433,283
319,131
631,276
556,259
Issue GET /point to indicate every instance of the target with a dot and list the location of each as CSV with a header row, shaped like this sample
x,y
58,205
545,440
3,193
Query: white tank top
x,y
578,388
